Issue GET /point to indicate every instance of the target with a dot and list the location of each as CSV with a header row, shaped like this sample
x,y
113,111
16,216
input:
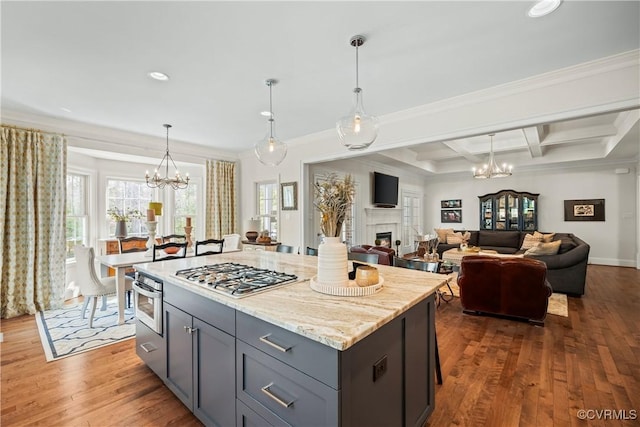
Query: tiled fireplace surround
x,y
380,220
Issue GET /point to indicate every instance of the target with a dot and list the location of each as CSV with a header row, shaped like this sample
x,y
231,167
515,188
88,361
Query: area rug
x,y
558,304
63,333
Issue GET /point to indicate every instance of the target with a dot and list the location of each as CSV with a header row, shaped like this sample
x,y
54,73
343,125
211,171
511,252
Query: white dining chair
x,y
91,286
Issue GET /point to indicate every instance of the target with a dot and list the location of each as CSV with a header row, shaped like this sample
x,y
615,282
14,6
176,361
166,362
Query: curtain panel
x,y
32,221
221,209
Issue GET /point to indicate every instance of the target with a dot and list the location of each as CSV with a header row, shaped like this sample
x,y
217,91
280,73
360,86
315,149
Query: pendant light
x,y
492,170
357,130
270,151
176,182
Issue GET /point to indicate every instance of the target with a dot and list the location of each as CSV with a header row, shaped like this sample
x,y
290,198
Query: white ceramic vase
x,y
333,262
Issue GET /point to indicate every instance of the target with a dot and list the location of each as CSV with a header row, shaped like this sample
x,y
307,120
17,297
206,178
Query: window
x,y
185,205
268,207
129,195
76,206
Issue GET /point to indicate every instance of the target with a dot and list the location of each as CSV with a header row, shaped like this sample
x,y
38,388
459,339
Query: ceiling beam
x,y
534,136
408,156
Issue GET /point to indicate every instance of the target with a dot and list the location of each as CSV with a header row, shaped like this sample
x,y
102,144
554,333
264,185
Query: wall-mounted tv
x,y
385,190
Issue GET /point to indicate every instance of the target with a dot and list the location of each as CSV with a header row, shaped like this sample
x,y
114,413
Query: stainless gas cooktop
x,y
236,280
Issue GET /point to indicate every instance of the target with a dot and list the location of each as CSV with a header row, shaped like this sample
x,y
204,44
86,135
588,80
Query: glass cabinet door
x,y
486,214
513,212
529,216
501,210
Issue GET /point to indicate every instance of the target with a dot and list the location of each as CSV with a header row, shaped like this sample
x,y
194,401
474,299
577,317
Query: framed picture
x,y
584,210
451,215
451,204
289,196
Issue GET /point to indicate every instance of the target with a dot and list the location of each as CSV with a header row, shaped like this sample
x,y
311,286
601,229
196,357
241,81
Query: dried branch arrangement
x,y
333,198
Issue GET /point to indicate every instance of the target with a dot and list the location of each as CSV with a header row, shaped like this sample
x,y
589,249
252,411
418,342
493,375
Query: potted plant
x,y
121,218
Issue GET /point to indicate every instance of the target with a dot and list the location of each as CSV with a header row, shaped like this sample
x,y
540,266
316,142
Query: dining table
x,y
120,263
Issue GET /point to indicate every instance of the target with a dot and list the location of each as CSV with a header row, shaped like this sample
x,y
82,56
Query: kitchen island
x,y
293,356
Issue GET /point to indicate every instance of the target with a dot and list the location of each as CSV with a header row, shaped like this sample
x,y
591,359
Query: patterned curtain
x,y
221,212
33,171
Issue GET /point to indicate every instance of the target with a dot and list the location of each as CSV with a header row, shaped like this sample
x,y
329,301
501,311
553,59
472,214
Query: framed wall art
x,y
584,210
289,196
451,215
451,204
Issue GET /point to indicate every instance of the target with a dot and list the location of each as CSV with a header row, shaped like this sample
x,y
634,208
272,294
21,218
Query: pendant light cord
x,y
357,83
270,111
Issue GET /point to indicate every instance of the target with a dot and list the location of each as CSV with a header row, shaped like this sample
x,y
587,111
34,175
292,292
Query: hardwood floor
x,y
496,372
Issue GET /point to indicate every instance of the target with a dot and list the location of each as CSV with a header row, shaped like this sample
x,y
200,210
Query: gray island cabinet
x,y
291,356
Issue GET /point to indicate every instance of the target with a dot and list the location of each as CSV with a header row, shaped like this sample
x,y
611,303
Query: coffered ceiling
x,y
88,61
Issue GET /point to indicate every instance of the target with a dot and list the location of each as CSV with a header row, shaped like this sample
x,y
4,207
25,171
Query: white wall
x,y
613,242
587,89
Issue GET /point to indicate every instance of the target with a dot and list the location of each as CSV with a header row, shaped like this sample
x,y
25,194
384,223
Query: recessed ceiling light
x,y
157,75
66,110
265,113
543,7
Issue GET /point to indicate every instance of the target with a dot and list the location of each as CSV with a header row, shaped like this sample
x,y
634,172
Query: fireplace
x,y
385,239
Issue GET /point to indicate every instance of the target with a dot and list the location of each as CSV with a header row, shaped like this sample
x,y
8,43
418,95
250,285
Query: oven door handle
x,y
146,292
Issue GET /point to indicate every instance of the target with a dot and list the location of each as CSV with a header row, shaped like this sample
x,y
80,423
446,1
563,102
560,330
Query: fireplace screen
x,y
385,239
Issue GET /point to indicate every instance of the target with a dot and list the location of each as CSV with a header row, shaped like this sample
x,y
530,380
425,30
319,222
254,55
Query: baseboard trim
x,y
613,262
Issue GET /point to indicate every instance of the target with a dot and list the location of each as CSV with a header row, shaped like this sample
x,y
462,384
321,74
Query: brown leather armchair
x,y
515,287
385,255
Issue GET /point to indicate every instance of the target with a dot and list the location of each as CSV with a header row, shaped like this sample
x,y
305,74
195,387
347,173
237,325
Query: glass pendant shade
x,y
357,130
270,151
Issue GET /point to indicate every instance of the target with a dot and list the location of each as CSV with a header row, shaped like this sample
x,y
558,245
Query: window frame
x,y
268,221
142,207
85,218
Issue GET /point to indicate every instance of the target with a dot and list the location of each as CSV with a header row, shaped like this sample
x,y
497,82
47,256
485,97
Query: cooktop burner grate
x,y
236,280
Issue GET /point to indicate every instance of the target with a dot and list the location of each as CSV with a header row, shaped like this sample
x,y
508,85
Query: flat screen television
x,y
385,190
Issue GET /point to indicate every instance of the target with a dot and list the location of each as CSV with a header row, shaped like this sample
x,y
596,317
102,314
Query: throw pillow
x,y
442,233
454,238
548,238
530,240
542,248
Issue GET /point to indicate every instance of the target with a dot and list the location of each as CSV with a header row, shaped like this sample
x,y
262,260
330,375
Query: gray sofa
x,y
566,271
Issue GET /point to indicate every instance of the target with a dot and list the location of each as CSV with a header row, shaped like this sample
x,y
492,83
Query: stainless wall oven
x,y
147,298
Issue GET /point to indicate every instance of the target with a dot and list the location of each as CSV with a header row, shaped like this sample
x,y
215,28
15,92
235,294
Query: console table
x,y
257,246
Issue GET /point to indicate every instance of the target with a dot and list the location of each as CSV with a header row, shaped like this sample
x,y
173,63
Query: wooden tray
x,y
352,290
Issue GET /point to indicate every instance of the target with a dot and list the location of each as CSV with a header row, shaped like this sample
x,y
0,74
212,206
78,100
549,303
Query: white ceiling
x,y
92,58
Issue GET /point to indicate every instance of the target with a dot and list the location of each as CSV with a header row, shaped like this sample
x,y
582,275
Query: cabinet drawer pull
x,y
269,393
190,330
148,347
265,339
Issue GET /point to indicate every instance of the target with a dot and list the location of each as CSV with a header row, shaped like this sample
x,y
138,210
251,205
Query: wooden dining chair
x,y
132,244
178,238
171,250
369,258
209,247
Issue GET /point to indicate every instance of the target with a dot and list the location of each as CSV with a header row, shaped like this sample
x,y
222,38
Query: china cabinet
x,y
509,210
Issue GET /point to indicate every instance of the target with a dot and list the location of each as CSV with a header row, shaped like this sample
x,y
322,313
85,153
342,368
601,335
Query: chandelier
x,y
357,130
176,182
492,170
270,151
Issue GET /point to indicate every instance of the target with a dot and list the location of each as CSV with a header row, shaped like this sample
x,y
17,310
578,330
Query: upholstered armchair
x,y
385,255
515,287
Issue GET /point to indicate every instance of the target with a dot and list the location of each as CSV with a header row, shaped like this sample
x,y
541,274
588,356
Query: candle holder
x,y
151,227
187,234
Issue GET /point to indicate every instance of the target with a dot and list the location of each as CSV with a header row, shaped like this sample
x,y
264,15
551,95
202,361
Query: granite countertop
x,y
338,322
